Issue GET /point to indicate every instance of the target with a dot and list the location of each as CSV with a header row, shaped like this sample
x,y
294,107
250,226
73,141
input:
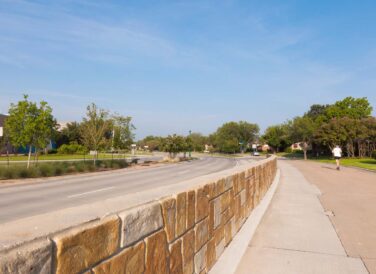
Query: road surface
x,y
19,201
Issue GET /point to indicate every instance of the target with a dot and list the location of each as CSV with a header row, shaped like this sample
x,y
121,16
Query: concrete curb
x,y
231,257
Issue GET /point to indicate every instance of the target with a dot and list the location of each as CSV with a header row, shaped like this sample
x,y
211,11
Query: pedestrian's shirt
x,y
337,152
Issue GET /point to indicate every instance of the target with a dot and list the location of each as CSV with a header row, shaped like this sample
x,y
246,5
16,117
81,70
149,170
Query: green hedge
x,y
18,171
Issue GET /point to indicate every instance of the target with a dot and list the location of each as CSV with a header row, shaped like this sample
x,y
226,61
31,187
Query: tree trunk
x,y
28,158
305,148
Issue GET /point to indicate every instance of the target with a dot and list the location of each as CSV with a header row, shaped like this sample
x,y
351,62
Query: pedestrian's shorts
x,y
337,157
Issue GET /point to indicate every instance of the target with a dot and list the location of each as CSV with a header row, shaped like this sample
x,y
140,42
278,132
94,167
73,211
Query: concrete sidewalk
x,y
296,235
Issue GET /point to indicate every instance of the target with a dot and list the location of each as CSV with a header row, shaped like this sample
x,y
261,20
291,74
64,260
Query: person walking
x,y
337,153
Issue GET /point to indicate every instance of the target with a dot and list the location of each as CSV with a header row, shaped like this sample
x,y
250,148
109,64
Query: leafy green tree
x,y
71,133
94,128
30,125
152,142
198,141
173,144
229,137
122,131
277,137
301,131
355,108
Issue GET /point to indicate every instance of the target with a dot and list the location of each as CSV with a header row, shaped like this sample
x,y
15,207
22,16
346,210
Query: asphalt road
x,y
19,201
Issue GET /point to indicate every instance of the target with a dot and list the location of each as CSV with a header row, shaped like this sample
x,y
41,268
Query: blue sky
x,y
176,66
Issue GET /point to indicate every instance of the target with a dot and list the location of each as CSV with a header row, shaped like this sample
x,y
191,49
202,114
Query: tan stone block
x,y
225,200
228,232
129,261
188,267
202,204
200,259
191,208
139,222
181,213
219,187
237,212
34,257
210,190
242,180
84,246
169,217
211,219
219,248
219,234
156,254
188,246
201,233
211,256
228,182
203,271
236,183
176,260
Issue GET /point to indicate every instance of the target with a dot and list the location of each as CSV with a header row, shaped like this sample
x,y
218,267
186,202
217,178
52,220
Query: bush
x,y
72,148
373,154
288,150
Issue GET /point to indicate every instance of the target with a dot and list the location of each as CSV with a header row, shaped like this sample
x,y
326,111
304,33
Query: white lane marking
x,y
237,163
89,192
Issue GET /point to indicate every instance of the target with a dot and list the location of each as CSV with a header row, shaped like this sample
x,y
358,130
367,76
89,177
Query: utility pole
x,y
190,132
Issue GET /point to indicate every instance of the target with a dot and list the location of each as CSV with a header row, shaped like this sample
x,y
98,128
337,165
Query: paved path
x,y
20,201
351,195
296,235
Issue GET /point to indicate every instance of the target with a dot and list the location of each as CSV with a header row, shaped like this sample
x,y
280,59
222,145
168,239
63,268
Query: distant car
x,y
256,153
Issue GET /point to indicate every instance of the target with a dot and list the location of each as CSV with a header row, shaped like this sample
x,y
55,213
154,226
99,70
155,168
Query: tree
x,y
355,108
71,133
198,141
277,137
152,142
94,127
122,130
173,144
30,125
301,131
232,137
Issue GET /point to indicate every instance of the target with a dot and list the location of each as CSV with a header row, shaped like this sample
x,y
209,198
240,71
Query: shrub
x,y
72,148
373,154
46,170
288,150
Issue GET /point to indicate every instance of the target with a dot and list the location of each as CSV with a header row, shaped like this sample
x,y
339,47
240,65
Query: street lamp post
x,y
190,132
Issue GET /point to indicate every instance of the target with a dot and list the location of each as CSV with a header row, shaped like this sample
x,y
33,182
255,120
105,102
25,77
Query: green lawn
x,y
65,157
366,163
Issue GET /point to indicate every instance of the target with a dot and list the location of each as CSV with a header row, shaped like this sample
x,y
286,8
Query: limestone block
x,y
219,234
191,208
33,257
242,198
200,259
176,260
140,222
211,256
201,233
219,248
129,261
220,187
169,217
228,232
236,183
210,190
228,183
188,246
84,246
188,267
181,213
202,204
225,200
156,254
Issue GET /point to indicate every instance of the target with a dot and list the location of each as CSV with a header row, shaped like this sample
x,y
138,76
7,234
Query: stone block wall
x,y
185,233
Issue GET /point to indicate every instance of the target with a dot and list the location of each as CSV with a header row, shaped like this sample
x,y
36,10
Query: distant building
x,y
296,146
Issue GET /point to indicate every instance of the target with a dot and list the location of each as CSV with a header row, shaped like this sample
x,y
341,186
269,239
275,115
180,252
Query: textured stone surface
x,y
140,222
169,217
202,204
130,261
217,212
228,183
211,257
33,258
188,267
156,254
220,187
225,200
242,197
188,246
201,233
219,234
219,248
200,259
228,232
181,213
176,260
81,247
191,209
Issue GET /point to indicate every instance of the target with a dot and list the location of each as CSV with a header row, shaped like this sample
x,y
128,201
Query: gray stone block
x,y
30,258
140,222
